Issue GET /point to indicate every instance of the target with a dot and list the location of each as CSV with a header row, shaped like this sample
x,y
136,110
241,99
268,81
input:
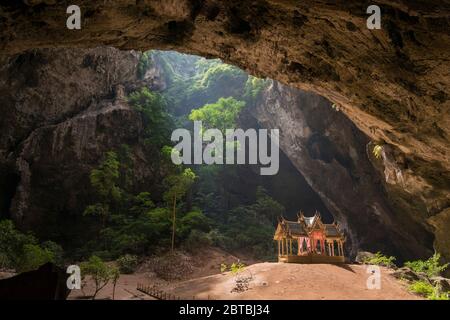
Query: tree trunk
x,y
173,221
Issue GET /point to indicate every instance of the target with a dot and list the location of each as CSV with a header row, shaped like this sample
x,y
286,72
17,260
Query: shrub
x,y
33,257
380,260
12,243
194,220
22,251
127,263
223,267
430,267
55,250
197,239
5,263
100,272
439,296
422,288
145,62
429,291
377,151
235,268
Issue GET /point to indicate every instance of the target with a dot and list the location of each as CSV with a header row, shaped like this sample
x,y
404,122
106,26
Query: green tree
x,y
178,185
33,257
142,203
222,114
266,206
114,275
157,122
23,252
104,180
253,87
100,272
12,243
194,220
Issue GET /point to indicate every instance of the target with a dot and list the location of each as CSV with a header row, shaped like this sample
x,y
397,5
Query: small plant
x,y
380,260
335,107
114,276
242,279
236,268
439,296
430,267
223,267
127,263
428,291
422,288
100,272
377,151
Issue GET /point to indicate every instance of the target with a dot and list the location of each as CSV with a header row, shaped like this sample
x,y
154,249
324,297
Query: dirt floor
x,y
295,282
265,281
202,263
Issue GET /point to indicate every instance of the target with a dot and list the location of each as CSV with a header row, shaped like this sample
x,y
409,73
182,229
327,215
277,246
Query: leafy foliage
x,y
254,86
380,260
145,63
178,184
377,151
142,203
100,272
157,122
221,115
127,263
33,257
197,239
22,251
421,287
237,267
427,290
431,267
104,180
249,227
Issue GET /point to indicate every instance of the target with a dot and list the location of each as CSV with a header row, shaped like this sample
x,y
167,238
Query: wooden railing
x,y
154,292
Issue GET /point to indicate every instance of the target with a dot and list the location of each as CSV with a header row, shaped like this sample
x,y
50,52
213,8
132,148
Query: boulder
x,y
406,273
442,282
362,256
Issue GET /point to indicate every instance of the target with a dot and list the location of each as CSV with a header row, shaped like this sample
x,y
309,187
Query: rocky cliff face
x,y
62,111
334,157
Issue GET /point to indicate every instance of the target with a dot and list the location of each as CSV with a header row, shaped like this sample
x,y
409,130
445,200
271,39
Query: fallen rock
x,y
362,256
406,273
442,282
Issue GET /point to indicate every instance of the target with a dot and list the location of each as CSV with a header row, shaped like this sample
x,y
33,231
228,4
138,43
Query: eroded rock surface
x,y
62,110
391,83
334,157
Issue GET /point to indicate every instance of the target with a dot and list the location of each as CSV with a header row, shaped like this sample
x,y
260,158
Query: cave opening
x,y
128,103
86,120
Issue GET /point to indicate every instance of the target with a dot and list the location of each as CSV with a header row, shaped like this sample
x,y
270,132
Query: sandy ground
x,y
296,282
269,281
205,262
125,289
